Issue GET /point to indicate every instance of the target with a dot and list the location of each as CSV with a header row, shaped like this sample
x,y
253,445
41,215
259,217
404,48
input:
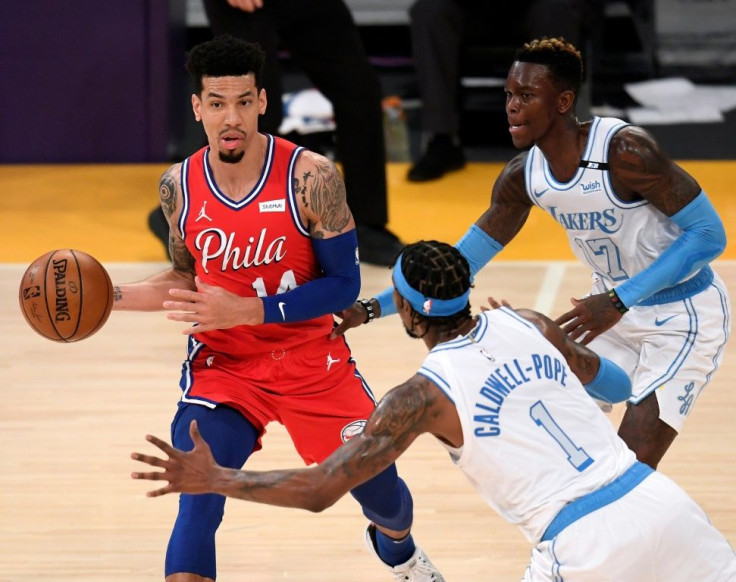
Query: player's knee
x,y
192,544
386,500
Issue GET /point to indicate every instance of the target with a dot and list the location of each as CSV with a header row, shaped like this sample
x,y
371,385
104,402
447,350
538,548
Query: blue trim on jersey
x,y
265,172
435,379
510,312
726,334
293,205
591,502
187,379
550,179
528,163
185,197
460,342
357,374
679,359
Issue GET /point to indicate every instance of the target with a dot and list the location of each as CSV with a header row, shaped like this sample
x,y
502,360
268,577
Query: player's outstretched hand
x,y
187,472
589,317
495,304
353,316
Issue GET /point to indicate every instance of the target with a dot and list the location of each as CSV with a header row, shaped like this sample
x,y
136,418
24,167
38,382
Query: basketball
x,y
66,295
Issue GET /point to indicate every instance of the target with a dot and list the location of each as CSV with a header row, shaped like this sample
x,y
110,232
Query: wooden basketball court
x,y
72,413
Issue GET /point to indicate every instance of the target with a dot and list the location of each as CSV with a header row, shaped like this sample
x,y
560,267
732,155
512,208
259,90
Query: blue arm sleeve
x,y
476,246
336,289
611,384
702,240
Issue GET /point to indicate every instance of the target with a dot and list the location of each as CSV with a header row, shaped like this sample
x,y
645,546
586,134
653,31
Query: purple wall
x,y
85,81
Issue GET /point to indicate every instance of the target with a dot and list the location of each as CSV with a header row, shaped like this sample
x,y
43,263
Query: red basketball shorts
x,y
314,390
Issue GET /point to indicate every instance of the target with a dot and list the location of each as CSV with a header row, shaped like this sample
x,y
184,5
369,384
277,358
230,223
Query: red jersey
x,y
254,247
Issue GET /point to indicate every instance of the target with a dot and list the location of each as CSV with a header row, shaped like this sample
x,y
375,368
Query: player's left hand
x,y
212,307
495,304
591,316
187,472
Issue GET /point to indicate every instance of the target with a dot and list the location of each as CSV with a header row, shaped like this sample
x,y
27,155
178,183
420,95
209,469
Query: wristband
x,y
369,308
617,303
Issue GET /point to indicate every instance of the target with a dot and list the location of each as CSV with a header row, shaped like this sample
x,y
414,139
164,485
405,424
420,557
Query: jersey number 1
x,y
577,456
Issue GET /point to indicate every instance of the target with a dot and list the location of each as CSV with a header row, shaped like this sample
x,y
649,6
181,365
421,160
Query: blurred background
x,y
104,82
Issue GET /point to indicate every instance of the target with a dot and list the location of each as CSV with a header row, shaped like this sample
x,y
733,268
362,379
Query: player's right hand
x,y
353,316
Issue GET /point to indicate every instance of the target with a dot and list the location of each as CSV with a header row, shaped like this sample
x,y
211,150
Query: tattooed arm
x,y
415,407
150,294
321,197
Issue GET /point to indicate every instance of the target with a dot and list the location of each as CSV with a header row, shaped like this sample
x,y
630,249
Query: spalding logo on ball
x,y
66,295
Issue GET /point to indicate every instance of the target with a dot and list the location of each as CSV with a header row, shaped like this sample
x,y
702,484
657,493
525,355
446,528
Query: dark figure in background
x,y
324,41
439,31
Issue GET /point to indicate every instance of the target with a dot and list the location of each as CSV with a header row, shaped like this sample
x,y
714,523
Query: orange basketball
x,y
66,295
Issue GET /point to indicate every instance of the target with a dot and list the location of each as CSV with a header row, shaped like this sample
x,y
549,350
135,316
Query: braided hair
x,y
437,270
561,58
225,56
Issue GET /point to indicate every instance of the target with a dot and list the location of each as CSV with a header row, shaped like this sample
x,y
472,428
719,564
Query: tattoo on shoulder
x,y
167,191
327,196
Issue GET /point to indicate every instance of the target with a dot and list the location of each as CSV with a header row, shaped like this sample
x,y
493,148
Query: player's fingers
x,y
178,305
149,460
589,337
149,475
160,492
566,317
185,294
341,328
163,445
493,303
194,433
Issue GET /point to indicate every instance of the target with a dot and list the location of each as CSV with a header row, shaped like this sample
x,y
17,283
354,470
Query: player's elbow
x,y
350,291
318,498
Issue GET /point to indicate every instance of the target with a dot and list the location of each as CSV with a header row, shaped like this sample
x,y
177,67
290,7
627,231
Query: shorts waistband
x,y
599,498
692,286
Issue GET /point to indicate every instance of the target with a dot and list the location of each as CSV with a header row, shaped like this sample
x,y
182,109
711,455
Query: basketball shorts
x,y
654,532
671,349
313,389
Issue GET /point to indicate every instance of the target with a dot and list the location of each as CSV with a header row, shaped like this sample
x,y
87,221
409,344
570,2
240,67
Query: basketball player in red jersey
x,y
264,250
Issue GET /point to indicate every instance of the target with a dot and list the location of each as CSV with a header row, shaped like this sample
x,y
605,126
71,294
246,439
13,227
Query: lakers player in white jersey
x,y
503,391
639,221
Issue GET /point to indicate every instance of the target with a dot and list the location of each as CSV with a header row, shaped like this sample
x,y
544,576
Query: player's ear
x,y
565,101
262,101
197,107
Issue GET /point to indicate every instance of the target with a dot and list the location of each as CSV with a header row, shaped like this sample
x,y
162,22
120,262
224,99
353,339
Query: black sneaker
x,y
378,246
441,156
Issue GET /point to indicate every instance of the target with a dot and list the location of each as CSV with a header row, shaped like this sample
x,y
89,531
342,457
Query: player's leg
x,y
320,422
190,556
682,347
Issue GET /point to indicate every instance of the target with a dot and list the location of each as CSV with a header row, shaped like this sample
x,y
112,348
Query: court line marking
x,y
550,287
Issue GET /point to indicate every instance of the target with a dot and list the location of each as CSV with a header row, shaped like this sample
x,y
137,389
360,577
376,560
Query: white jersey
x,y
617,239
533,439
